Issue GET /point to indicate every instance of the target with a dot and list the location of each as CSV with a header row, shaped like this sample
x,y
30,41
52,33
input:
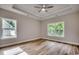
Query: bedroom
x,y
39,29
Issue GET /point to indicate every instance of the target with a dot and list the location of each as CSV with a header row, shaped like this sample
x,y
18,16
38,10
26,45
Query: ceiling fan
x,y
43,7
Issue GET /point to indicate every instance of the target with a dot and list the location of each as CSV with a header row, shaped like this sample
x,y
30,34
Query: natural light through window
x,y
56,29
8,28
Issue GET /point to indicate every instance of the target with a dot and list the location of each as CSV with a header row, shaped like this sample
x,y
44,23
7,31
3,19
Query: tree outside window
x,y
56,29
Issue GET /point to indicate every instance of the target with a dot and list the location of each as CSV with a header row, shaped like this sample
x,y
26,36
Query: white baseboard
x,y
66,42
14,43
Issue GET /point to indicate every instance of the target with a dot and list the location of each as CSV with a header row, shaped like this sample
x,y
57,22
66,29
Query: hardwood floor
x,y
45,47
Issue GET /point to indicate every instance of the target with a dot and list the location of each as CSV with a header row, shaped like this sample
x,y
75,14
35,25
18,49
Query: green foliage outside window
x,y
11,23
56,29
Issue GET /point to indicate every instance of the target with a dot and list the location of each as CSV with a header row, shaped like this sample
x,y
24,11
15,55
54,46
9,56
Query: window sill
x,y
8,37
55,35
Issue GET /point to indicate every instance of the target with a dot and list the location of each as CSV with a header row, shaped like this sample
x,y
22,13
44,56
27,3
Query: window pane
x,y
9,32
8,28
56,29
9,24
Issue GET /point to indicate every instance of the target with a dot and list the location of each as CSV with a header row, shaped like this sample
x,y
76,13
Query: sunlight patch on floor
x,y
15,51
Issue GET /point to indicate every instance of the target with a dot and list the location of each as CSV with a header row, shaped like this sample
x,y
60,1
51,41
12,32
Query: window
x,y
56,29
8,28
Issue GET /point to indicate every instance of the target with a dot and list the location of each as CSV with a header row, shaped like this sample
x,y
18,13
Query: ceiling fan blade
x,y
37,6
50,7
46,10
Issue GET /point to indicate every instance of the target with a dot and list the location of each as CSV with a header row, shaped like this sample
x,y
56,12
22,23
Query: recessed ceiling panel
x,y
57,10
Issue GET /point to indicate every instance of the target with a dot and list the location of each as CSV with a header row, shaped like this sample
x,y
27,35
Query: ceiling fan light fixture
x,y
43,9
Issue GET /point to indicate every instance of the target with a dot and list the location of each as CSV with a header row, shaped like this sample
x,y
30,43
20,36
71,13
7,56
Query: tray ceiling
x,y
30,10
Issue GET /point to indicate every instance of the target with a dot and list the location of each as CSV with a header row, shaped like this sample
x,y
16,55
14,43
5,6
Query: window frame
x,y
9,37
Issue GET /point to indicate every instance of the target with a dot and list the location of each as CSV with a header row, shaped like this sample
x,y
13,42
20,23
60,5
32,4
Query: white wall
x,y
27,28
71,28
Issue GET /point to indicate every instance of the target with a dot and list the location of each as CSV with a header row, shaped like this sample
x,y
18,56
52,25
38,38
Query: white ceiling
x,y
28,9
